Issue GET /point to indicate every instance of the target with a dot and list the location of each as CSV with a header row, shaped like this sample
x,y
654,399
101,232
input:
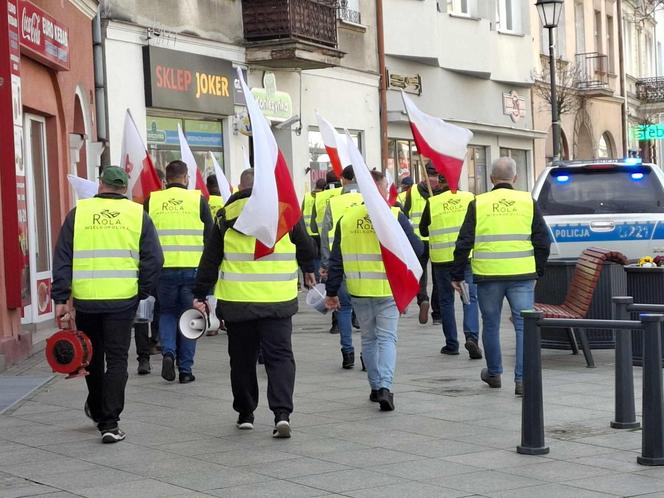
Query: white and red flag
x,y
402,267
393,192
336,145
222,181
272,210
136,161
195,177
443,143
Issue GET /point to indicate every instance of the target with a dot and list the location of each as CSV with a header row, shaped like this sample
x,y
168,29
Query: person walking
x,y
441,220
308,214
413,206
356,252
257,299
215,201
510,242
183,221
107,258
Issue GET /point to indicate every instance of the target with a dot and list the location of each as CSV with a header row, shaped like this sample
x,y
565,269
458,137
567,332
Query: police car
x,y
617,204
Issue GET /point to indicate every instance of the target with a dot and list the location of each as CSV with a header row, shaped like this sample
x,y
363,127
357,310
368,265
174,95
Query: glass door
x,y
39,229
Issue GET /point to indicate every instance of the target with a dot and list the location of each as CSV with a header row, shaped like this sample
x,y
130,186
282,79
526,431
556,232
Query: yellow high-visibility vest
x,y
362,259
338,206
321,203
176,215
447,212
216,202
271,279
417,204
503,227
401,198
107,234
308,211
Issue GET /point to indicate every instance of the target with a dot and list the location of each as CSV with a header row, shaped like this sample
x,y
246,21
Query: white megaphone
x,y
193,323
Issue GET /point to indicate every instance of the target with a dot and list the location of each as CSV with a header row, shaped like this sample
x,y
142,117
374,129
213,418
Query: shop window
x,y
521,159
403,159
477,169
319,160
203,136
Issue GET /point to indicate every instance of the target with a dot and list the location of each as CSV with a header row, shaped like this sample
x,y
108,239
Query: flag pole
x,y
426,176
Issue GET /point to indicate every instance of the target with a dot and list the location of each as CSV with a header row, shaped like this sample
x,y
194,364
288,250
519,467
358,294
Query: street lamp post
x,y
549,12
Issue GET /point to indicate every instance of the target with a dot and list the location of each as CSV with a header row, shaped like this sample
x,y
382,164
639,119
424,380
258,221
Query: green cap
x,y
114,176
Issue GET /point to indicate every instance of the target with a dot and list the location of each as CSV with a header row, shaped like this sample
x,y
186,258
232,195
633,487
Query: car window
x,y
601,191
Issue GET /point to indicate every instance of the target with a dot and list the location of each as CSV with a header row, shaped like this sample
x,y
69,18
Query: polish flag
x,y
222,181
401,264
336,145
443,143
136,161
195,177
272,210
393,192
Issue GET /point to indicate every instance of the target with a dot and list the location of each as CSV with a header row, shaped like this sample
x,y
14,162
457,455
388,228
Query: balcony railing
x,y
309,20
593,71
650,90
347,14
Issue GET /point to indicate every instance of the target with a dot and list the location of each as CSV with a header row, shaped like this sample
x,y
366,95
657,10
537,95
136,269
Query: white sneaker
x,y
282,430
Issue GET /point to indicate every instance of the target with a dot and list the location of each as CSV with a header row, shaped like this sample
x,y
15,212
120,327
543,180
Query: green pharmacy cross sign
x,y
643,133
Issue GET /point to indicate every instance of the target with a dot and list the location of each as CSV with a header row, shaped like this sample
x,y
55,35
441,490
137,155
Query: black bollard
x,y
652,442
532,407
625,414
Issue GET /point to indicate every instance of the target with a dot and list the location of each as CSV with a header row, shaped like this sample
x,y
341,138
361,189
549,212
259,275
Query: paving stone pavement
x,y
450,436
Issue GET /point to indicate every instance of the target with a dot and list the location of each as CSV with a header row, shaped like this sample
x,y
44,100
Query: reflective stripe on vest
x,y
216,202
417,204
447,211
503,227
322,198
270,279
308,211
339,205
362,259
176,214
107,234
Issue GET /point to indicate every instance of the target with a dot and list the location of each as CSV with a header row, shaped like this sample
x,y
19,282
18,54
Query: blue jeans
x,y
379,319
446,293
345,320
175,296
520,295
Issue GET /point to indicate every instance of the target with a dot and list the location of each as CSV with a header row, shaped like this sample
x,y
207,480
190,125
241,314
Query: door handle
x,y
602,226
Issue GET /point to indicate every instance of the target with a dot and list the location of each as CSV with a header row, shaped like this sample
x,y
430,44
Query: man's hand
x,y
63,313
332,303
309,280
323,273
457,284
200,306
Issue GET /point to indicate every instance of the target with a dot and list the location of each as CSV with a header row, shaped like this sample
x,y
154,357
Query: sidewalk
x,y
450,436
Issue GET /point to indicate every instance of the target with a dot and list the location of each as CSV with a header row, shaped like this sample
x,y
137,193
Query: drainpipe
x,y
623,78
382,89
100,82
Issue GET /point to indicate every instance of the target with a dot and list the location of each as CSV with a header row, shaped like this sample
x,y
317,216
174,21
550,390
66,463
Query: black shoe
x,y
356,324
436,321
473,349
245,422
364,368
348,360
423,316
143,366
112,436
334,329
373,396
493,380
518,388
386,400
186,377
448,350
168,368
88,413
282,428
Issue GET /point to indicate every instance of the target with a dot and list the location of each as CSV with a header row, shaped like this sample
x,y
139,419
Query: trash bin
x,y
646,286
552,288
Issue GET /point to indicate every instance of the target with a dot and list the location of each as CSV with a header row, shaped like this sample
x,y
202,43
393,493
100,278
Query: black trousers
x,y
110,334
273,337
422,295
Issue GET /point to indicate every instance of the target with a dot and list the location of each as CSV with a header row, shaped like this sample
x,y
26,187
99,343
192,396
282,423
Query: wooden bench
x,y
580,294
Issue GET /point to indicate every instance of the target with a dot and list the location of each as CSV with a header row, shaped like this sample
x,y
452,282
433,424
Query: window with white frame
x,y
629,44
462,7
579,27
509,16
349,11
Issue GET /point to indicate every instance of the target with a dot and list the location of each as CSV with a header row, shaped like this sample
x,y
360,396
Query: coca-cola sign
x,y
43,38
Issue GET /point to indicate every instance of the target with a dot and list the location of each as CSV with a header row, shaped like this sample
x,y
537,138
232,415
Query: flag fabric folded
x,y
336,145
392,189
245,158
272,210
443,143
136,161
83,187
195,177
222,181
402,267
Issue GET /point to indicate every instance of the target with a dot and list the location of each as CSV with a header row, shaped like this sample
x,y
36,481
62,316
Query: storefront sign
x,y
164,131
187,82
43,38
407,83
276,105
514,106
644,133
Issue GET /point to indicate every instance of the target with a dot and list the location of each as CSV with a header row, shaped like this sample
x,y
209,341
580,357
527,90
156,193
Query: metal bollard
x,y
652,442
625,414
532,408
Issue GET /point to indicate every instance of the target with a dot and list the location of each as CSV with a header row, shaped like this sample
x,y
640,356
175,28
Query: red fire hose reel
x,y
69,351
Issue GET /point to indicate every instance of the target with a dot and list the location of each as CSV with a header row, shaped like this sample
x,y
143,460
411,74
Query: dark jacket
x,y
213,253
151,260
336,264
539,238
424,192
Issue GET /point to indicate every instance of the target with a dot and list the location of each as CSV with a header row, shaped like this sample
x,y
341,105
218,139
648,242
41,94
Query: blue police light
x,y
562,178
633,161
637,176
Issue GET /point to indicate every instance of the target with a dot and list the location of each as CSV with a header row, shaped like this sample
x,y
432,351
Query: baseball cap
x,y
431,170
114,176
